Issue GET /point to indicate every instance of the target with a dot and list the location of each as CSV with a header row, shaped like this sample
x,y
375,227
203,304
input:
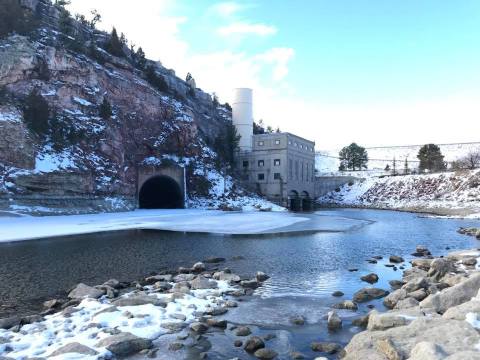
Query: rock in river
x,y
124,344
82,291
367,294
370,278
325,347
253,344
201,282
396,259
265,354
334,322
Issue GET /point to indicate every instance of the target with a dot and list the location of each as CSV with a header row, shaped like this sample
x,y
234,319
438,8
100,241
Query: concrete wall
x,y
326,184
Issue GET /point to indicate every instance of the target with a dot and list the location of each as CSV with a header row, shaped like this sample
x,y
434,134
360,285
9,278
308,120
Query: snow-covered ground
x,y
458,192
191,220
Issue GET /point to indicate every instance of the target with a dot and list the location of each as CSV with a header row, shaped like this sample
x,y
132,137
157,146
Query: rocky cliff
x,y
85,159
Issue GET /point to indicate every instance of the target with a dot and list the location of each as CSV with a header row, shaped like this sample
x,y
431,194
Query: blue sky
x,y
333,71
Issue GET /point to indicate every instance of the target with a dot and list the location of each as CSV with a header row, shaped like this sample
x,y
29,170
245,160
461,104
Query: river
x,y
304,268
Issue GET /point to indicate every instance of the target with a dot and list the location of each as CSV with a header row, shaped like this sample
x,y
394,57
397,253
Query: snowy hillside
x,y
327,160
447,193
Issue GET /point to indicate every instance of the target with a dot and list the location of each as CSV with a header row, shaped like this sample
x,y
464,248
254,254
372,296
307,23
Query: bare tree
x,y
470,161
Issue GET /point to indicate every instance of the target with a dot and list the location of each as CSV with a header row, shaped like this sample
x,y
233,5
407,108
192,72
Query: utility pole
x,y
394,167
405,170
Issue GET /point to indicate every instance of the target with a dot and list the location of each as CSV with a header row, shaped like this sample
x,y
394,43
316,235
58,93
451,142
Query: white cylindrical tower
x,y
242,117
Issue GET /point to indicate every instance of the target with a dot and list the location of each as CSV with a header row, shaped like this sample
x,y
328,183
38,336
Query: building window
x,y
290,169
296,169
308,177
260,143
245,163
301,146
289,142
302,170
276,162
261,163
277,141
261,176
276,176
296,144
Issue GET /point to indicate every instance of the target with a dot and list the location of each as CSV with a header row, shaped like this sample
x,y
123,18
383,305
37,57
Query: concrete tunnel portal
x,y
161,192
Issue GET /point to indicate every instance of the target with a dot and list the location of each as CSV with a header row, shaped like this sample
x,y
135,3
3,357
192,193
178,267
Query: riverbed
x,y
304,268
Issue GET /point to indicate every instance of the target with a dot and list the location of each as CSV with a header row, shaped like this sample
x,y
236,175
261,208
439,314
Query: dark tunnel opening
x,y
160,192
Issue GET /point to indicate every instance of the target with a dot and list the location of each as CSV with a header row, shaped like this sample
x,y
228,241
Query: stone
x,y
455,295
423,264
114,283
261,276
469,261
216,311
393,298
178,316
9,322
238,343
459,312
370,278
346,305
222,275
353,269
217,323
153,279
396,284
162,285
296,355
418,295
199,267
199,327
214,260
297,320
269,337
74,347
265,354
183,278
338,293
406,303
367,294
325,347
415,284
243,331
382,321
425,350
82,291
362,321
175,346
141,299
51,304
174,326
253,344
396,259
386,347
334,322
439,267
124,344
250,284
201,282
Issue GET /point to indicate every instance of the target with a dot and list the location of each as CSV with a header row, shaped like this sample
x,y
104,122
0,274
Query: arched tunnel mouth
x,y
160,192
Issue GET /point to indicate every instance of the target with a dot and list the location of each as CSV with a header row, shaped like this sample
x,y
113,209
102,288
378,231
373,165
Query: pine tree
x,y
140,59
105,110
431,158
114,45
36,113
353,157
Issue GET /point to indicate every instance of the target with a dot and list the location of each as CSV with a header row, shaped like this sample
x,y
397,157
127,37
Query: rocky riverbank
x,y
118,319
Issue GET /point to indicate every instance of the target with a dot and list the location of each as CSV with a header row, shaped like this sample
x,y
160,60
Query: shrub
x,y
105,110
156,80
36,113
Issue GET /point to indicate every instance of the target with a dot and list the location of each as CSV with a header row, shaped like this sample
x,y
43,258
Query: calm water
x,y
304,269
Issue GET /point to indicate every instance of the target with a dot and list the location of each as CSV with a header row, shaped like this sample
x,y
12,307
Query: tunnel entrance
x,y
160,192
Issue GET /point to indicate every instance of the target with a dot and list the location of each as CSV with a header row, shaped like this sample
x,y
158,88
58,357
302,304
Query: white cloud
x,y
244,28
227,8
279,58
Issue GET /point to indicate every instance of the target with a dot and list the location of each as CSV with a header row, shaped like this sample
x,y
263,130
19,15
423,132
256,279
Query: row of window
x,y
301,171
261,163
262,143
261,176
294,143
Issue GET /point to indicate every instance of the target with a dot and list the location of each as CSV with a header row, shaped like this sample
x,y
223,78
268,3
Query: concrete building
x,y
280,166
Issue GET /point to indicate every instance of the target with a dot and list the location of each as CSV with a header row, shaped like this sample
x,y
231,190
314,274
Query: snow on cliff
x,y
452,190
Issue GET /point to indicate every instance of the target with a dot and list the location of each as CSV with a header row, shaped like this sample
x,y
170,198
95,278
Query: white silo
x,y
242,117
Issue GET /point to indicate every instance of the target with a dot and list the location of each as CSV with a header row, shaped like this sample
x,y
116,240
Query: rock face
x,y
124,344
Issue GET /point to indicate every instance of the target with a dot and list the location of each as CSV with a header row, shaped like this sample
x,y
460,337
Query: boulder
x,y
459,312
362,321
250,284
201,282
367,294
124,344
455,295
415,284
297,320
9,322
140,299
82,291
407,303
198,267
199,327
396,259
396,284
383,321
243,331
393,298
265,354
222,324
425,350
423,264
253,344
370,278
334,322
214,260
439,267
346,305
325,347
261,276
386,347
74,347
222,275
338,293
418,295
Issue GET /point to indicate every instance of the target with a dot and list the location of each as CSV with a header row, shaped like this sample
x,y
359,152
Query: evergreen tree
x,y
105,110
431,158
114,45
226,144
156,80
353,157
36,113
140,59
